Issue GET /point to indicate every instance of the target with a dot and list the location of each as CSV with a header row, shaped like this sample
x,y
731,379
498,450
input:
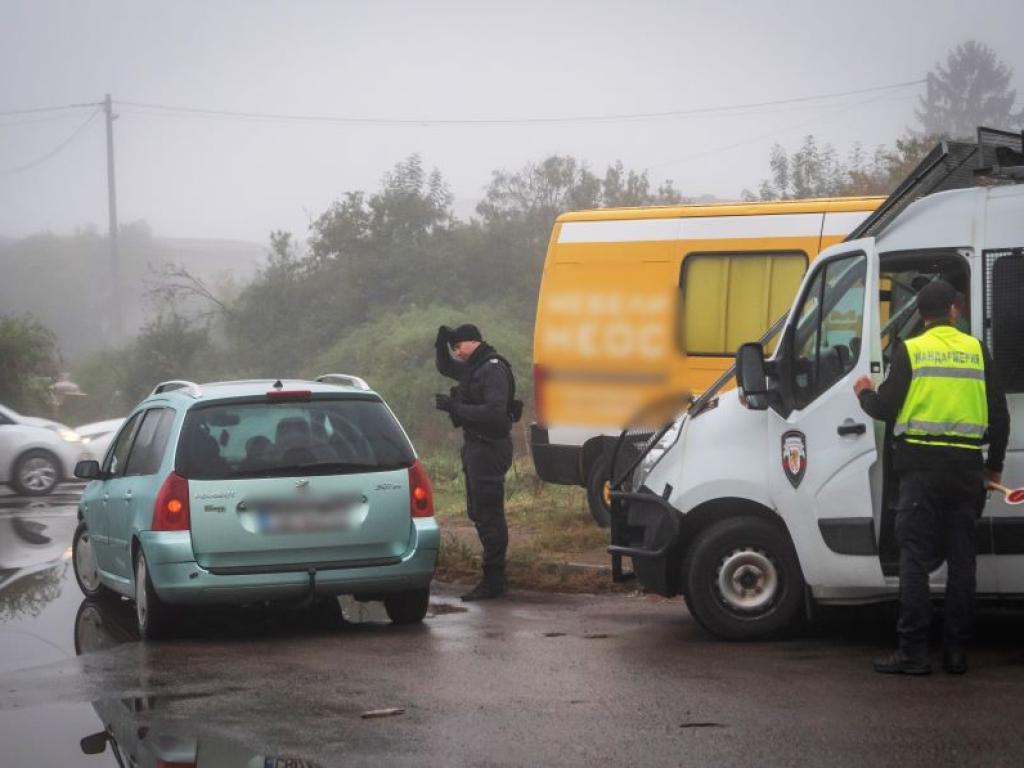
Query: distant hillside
x,y
64,281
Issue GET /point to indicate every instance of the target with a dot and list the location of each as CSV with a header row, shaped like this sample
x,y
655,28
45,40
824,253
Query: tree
x,y
972,89
815,170
28,362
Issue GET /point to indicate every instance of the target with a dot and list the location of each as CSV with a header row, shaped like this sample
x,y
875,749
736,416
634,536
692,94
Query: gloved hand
x,y
443,334
443,403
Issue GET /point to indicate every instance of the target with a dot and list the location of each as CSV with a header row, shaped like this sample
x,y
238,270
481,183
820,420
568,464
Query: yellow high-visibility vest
x,y
946,403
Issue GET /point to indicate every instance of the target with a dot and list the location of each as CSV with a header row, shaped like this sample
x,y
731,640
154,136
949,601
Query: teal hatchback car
x,y
245,492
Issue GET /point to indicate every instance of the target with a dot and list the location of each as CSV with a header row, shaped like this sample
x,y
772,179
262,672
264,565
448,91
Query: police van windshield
x,y
274,439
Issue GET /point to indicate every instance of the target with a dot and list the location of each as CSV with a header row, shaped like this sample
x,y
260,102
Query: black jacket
x,y
885,405
481,400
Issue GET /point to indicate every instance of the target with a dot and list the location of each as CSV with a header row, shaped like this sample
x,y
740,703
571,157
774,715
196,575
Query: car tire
x,y
36,473
407,607
152,614
596,479
742,580
83,559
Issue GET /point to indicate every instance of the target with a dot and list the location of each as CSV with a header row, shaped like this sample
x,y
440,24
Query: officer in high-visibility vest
x,y
944,402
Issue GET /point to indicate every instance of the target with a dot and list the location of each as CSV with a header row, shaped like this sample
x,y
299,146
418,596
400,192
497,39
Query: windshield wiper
x,y
314,468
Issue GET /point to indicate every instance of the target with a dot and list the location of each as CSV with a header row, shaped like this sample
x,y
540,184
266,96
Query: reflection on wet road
x,y
532,680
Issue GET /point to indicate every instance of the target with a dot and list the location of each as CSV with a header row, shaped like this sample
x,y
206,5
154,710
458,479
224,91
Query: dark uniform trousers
x,y
485,462
935,519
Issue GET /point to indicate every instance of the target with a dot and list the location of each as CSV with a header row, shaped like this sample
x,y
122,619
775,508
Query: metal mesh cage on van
x,y
1004,314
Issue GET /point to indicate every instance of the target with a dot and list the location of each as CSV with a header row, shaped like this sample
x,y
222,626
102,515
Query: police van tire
x,y
596,479
742,580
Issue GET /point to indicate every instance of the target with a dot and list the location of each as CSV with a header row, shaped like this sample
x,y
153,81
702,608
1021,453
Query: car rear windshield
x,y
275,439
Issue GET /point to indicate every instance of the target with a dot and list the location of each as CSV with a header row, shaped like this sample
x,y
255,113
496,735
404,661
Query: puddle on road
x,y
443,609
120,731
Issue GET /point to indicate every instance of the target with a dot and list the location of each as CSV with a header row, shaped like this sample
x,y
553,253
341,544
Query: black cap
x,y
935,299
465,332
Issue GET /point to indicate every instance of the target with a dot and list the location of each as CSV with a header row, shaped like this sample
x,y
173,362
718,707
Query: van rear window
x,y
278,439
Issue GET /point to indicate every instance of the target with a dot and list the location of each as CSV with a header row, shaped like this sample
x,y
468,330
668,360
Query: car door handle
x,y
127,495
850,427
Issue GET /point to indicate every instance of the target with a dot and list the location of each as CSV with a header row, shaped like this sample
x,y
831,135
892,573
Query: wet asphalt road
x,y
532,680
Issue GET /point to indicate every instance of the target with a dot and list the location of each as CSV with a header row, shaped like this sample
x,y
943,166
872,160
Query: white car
x,y
97,436
36,454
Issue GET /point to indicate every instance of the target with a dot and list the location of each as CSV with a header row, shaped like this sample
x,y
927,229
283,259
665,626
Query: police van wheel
x,y
742,580
596,479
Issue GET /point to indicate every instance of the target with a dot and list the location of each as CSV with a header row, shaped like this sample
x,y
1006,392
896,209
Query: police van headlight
x,y
657,451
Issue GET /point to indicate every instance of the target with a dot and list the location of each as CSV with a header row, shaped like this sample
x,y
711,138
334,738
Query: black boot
x,y
491,586
483,591
954,661
900,663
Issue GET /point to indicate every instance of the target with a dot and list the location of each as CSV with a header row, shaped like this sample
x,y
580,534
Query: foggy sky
x,y
194,176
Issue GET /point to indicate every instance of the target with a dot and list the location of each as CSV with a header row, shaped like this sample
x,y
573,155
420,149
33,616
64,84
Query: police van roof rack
x,y
191,388
997,158
344,380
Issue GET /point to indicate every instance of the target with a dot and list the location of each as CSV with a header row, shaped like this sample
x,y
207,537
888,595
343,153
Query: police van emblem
x,y
794,456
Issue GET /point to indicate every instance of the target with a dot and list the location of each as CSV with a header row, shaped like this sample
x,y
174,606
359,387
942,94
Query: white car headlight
x,y
69,435
655,452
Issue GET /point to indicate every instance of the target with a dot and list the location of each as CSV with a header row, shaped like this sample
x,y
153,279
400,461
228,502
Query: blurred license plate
x,y
302,520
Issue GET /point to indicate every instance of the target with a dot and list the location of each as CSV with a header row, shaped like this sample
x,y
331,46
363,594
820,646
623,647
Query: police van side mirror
x,y
751,377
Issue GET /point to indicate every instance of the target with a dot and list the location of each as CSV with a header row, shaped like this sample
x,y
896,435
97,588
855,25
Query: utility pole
x,y
115,259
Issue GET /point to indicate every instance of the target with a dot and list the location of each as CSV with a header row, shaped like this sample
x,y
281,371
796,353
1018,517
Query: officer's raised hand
x,y
443,334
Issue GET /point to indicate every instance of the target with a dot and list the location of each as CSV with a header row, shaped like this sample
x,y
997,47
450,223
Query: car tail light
x,y
540,378
421,497
290,394
171,511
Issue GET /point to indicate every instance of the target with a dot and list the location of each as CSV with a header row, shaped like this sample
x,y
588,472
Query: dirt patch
x,y
554,544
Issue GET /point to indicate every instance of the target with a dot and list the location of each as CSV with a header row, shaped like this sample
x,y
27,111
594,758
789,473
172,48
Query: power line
x,y
36,110
817,120
380,121
52,152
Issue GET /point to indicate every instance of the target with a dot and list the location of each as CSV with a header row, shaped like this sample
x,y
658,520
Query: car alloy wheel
x,y
85,564
141,607
37,474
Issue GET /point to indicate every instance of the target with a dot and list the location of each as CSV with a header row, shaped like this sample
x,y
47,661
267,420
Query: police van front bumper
x,y
646,529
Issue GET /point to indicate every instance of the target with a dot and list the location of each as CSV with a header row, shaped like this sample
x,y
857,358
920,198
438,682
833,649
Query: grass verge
x,y
554,544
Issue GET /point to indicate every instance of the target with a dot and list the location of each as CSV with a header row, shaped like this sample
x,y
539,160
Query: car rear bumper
x,y
178,578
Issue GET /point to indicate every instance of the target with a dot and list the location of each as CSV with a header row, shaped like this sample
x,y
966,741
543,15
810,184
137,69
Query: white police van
x,y
759,502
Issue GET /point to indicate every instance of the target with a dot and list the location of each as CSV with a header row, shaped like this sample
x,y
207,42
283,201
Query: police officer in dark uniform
x,y
945,402
482,405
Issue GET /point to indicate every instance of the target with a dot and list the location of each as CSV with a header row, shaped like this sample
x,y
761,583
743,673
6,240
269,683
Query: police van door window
x,y
827,337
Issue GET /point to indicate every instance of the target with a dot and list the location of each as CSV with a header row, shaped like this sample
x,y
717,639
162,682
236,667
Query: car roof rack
x,y
190,387
998,158
344,380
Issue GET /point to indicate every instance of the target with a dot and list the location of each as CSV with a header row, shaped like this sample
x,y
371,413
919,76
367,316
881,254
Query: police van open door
x,y
826,448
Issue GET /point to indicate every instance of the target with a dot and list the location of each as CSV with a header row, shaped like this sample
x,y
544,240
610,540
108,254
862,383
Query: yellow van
x,y
638,303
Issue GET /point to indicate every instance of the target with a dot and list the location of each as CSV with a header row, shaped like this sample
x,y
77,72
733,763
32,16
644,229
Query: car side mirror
x,y
94,743
87,470
751,377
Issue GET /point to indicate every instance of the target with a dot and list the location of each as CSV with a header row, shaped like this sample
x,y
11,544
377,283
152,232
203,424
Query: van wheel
x,y
152,614
596,479
36,473
742,580
407,607
87,572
